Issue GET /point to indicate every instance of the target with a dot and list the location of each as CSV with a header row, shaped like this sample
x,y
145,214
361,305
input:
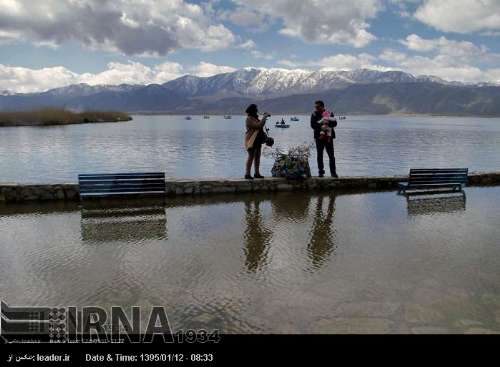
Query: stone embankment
x,y
15,192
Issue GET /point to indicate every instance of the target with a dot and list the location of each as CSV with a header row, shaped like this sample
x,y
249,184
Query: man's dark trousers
x,y
320,146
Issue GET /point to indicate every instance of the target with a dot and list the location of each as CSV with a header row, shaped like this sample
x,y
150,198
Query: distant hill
x,y
278,91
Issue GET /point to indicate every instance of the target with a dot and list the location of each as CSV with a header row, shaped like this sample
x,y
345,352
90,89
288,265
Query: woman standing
x,y
254,137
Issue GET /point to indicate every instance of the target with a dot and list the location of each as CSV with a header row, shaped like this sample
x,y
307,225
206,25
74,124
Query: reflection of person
x,y
322,239
254,138
321,145
256,236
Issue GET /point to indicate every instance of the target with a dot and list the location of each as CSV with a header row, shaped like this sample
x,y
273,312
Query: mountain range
x,y
277,91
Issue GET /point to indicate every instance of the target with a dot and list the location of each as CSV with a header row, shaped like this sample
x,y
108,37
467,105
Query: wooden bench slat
x,y
438,169
435,178
435,183
122,174
438,180
113,178
432,185
93,194
141,179
121,184
124,188
116,184
437,173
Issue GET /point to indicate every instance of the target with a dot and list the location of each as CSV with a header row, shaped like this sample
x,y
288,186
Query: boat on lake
x,y
206,117
294,118
228,117
281,124
188,118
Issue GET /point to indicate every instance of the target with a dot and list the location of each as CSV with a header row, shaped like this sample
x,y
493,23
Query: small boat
x,y
341,117
188,117
206,117
282,124
294,118
228,117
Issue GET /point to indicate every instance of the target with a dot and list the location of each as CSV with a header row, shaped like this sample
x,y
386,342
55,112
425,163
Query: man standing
x,y
321,144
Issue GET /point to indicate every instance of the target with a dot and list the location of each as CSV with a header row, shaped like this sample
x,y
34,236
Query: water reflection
x,y
123,221
434,205
356,264
322,242
290,206
257,237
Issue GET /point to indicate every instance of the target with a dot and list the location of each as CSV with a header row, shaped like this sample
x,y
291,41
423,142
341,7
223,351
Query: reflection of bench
x,y
434,180
121,184
127,223
435,205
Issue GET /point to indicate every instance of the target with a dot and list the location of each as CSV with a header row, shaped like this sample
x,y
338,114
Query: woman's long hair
x,y
252,110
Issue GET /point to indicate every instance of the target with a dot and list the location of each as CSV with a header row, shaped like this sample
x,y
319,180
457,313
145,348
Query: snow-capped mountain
x,y
83,89
358,91
264,83
255,83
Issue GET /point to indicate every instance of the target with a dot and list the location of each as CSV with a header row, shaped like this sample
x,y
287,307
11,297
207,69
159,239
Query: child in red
x,y
326,131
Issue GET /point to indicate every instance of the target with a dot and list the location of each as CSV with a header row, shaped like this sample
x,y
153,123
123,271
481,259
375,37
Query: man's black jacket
x,y
316,126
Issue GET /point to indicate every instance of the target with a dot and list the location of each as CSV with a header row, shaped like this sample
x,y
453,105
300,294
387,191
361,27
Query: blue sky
x,y
53,43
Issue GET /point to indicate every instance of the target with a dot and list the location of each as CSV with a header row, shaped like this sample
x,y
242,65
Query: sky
x,y
46,44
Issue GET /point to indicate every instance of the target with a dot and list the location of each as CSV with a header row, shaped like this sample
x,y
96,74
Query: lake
x,y
275,263
365,145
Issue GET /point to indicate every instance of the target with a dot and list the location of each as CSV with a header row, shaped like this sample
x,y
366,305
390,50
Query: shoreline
x,y
17,192
59,117
395,114
30,124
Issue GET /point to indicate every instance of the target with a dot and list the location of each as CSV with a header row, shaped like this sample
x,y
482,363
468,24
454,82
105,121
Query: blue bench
x,y
121,184
434,180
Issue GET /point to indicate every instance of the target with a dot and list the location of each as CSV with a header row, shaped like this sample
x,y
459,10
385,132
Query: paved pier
x,y
16,192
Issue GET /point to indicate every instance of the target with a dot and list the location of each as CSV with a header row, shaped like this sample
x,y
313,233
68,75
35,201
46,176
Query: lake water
x,y
365,145
277,263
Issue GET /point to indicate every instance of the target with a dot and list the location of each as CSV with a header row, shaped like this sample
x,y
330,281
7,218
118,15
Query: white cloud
x,y
251,46
319,21
26,80
7,37
392,56
247,45
448,59
205,69
444,46
247,17
462,16
441,66
133,73
347,62
339,62
261,55
132,27
457,63
288,63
